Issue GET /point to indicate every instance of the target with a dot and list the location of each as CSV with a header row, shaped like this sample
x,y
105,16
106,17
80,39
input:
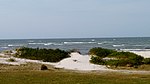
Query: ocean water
x,y
81,44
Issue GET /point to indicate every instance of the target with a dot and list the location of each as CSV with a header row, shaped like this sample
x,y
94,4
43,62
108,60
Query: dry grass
x,y
142,67
31,74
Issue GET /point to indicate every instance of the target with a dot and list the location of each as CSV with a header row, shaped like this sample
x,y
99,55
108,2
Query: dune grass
x,y
61,77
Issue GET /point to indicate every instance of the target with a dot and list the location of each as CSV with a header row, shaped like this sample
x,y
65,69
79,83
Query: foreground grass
x,y
31,74
61,77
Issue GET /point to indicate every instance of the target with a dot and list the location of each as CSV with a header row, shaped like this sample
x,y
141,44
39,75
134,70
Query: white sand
x,y
79,62
145,54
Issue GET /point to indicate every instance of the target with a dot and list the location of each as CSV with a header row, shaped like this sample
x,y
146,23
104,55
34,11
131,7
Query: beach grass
x,y
65,77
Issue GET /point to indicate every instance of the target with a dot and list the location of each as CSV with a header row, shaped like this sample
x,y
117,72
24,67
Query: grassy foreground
x,y
31,74
61,77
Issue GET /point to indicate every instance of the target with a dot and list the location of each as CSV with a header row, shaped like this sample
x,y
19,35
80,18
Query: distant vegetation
x,y
47,55
116,58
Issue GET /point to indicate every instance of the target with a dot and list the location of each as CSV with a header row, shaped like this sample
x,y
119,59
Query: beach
x,y
76,61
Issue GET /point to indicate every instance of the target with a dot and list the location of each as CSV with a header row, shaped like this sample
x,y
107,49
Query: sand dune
x,y
79,62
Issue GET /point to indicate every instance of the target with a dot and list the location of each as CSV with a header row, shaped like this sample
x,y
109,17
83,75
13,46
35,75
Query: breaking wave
x,y
12,45
79,42
119,45
46,44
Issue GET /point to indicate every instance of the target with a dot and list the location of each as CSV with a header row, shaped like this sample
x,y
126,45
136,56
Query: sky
x,y
27,19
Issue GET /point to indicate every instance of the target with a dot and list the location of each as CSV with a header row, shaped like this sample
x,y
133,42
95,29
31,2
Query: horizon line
x,y
76,37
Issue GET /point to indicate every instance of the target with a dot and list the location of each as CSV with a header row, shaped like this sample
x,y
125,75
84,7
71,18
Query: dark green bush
x,y
135,60
122,55
146,61
101,52
97,60
112,62
127,58
47,55
118,58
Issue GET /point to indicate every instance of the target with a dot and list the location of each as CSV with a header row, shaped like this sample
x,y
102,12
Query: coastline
x,y
76,62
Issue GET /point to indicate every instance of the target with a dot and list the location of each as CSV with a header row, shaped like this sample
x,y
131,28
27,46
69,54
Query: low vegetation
x,y
11,60
116,58
101,52
146,61
47,55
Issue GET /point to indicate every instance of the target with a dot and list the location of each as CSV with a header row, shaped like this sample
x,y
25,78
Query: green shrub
x,y
101,52
122,55
47,55
120,58
97,60
127,58
135,60
112,62
146,61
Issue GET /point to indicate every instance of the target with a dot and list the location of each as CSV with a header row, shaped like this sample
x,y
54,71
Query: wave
x,y
119,45
4,47
12,45
36,43
99,43
114,39
106,42
46,44
135,49
93,39
79,42
30,41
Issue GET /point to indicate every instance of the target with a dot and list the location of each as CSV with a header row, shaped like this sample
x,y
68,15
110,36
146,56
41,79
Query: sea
x,y
81,44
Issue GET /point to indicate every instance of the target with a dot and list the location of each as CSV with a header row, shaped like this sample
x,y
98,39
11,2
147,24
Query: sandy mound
x,y
79,62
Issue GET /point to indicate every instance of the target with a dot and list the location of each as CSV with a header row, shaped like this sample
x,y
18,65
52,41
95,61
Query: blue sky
x,y
74,18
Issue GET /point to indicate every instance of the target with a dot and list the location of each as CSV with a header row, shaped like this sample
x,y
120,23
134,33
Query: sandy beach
x,y
76,61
